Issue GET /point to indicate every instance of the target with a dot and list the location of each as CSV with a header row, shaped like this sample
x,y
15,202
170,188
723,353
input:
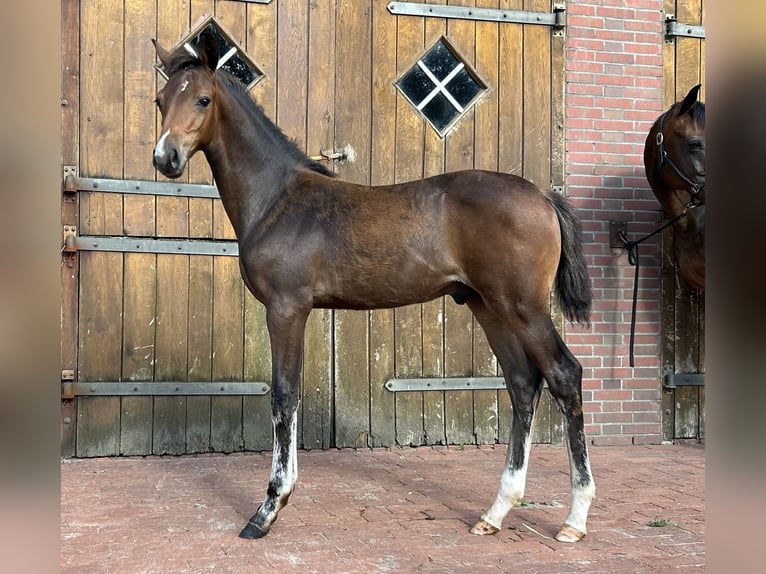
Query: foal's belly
x,y
383,295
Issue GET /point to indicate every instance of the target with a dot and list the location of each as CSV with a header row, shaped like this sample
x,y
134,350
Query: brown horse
x,y
674,160
492,241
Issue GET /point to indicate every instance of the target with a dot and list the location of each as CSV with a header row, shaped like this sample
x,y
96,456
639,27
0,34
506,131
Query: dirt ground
x,y
382,510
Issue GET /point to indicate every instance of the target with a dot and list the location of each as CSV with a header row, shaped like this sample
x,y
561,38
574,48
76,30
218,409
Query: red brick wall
x,y
613,94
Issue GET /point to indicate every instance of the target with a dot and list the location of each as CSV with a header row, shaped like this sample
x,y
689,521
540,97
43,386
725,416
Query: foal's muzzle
x,y
169,161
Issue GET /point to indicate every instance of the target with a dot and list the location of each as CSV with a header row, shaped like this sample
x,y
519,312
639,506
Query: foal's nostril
x,y
174,159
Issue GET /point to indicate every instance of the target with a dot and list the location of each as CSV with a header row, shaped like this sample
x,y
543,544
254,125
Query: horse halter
x,y
694,187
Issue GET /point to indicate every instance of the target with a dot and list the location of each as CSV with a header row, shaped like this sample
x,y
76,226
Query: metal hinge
x,y
674,28
71,389
123,244
556,18
674,380
445,384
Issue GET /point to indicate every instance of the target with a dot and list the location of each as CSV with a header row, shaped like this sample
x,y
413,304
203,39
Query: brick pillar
x,y
613,93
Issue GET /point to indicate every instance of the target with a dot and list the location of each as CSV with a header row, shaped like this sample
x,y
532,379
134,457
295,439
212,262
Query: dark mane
x,y
288,146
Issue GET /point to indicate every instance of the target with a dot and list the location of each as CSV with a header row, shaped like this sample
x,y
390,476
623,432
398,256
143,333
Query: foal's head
x,y
187,103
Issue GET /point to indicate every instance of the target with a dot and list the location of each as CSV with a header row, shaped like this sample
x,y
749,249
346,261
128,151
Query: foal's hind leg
x,y
564,376
286,331
524,383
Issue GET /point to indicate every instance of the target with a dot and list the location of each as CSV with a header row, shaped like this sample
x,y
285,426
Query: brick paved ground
x,y
399,510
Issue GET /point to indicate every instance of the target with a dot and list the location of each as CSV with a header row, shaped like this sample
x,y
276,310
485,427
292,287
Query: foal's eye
x,y
203,102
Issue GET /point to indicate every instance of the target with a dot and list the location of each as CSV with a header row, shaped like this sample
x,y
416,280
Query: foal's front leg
x,y
286,331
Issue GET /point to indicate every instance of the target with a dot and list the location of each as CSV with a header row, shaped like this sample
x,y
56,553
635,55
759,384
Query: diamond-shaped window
x,y
231,58
441,86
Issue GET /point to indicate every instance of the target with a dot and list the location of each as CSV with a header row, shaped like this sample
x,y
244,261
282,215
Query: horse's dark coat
x,y
492,241
674,161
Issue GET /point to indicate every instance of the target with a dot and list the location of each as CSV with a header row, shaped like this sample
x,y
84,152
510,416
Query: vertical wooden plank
x,y
231,15
458,320
101,90
262,45
686,360
689,311
408,166
557,169
432,312
668,280
701,317
139,214
139,120
228,353
510,94
668,331
98,418
199,350
382,147
485,405
292,92
138,353
188,15
537,146
537,99
292,63
353,127
70,272
682,307
228,297
317,384
171,351
256,410
182,424
101,135
510,138
688,69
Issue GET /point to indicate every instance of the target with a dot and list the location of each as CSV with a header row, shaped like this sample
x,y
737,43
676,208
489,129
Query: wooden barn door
x,y
163,350
421,362
683,308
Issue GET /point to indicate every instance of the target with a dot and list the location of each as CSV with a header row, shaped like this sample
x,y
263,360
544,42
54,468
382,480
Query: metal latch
x,y
70,239
329,155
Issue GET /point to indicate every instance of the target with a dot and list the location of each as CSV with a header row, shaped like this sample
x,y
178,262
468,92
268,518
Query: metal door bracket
x,y
674,380
555,19
618,234
674,28
446,384
70,389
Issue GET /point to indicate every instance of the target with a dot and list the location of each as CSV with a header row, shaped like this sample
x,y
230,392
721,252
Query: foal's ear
x,y
690,99
208,51
162,54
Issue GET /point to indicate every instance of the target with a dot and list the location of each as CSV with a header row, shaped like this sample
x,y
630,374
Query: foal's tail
x,y
572,281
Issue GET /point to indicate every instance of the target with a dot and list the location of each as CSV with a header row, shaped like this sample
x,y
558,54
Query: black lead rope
x,y
632,246
633,259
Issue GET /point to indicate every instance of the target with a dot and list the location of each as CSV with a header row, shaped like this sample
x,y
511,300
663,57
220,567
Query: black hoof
x,y
253,531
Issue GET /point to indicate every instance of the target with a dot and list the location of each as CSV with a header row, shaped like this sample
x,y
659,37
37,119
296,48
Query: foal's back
x,y
362,247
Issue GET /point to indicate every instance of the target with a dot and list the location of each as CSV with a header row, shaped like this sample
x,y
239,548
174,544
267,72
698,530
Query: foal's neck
x,y
249,168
